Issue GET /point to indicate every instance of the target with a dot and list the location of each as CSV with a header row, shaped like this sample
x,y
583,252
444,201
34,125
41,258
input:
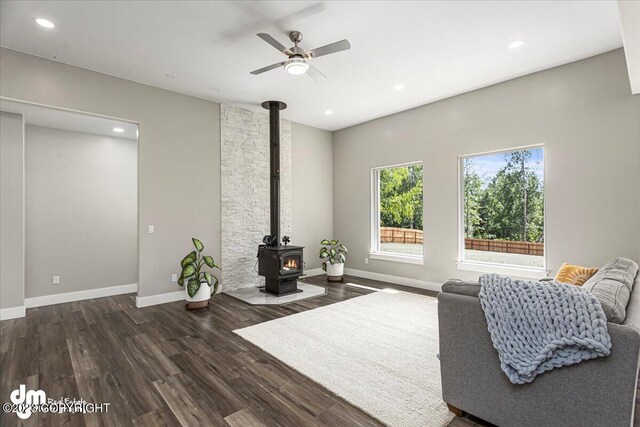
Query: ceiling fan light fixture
x,y
296,63
296,66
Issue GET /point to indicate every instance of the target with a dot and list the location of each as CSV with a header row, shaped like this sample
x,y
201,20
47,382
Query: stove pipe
x,y
274,108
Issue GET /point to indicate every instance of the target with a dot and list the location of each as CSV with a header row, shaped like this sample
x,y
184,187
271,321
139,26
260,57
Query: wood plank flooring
x,y
164,366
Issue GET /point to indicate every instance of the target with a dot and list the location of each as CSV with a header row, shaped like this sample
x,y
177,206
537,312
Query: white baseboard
x,y
159,299
12,312
405,281
79,295
313,272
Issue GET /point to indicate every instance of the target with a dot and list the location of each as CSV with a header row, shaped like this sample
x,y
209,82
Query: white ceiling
x,y
437,49
70,120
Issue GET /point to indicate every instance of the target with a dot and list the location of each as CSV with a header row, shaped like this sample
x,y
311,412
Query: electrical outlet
x,y
151,229
174,277
366,260
56,280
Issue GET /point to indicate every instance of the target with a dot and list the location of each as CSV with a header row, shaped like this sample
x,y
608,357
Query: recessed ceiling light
x,y
515,44
44,23
399,86
170,76
118,130
328,112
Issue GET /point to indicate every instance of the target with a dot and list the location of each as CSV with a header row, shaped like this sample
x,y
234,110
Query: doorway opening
x,y
80,204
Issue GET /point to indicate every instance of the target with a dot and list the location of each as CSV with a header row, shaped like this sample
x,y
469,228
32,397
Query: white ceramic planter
x,y
335,270
203,294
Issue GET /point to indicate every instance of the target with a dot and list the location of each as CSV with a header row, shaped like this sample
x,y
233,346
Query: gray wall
x,y
179,143
583,112
11,210
179,154
312,186
81,211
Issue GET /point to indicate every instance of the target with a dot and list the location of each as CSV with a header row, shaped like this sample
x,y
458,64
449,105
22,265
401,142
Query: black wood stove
x,y
280,264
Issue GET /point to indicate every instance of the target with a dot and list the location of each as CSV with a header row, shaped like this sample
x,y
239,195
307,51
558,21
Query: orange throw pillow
x,y
574,274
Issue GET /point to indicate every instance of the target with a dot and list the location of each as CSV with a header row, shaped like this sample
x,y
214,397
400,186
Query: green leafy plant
x,y
401,197
508,204
192,275
333,252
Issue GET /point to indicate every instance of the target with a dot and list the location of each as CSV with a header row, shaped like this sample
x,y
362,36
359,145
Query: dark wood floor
x,y
161,365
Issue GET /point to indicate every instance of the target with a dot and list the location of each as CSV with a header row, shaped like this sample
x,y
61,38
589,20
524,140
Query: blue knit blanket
x,y
539,326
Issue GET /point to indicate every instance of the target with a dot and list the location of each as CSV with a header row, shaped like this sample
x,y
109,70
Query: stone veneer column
x,y
245,191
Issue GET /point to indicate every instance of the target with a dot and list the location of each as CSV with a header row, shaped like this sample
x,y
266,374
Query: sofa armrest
x,y
461,287
594,392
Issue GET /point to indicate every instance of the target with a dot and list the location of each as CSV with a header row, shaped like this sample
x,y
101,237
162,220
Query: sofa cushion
x,y
455,286
612,285
574,274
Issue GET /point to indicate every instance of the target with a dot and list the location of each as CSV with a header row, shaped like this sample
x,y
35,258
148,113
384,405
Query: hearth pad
x,y
253,295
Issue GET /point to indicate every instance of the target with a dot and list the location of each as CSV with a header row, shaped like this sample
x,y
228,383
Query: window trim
x,y
374,211
494,267
395,257
505,269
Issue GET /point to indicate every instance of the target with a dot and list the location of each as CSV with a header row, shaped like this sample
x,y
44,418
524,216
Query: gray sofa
x,y
600,392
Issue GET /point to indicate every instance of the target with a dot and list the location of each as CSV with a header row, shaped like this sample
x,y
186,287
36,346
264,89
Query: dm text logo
x,y
24,399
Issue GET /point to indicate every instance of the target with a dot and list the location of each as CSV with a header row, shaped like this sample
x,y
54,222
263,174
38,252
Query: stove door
x,y
291,263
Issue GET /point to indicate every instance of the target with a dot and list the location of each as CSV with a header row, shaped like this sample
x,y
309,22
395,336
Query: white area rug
x,y
377,351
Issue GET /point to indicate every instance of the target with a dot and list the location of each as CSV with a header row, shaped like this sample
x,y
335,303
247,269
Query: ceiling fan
x,y
298,62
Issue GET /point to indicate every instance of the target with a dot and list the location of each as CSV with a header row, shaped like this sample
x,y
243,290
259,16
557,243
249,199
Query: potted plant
x,y
194,278
333,255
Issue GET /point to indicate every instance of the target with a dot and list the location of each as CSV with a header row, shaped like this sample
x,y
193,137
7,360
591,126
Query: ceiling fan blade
x,y
328,49
268,68
315,74
275,43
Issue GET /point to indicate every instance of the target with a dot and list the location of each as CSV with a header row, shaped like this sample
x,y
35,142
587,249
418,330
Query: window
x,y
502,208
397,213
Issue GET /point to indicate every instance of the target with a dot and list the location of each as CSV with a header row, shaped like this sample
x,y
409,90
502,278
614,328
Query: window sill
x,y
508,270
386,256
